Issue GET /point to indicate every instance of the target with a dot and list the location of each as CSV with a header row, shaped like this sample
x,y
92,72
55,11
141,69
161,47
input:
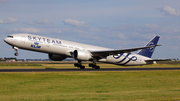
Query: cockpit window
x,y
10,36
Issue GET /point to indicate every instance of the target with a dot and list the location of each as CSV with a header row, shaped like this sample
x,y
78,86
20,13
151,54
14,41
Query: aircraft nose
x,y
6,39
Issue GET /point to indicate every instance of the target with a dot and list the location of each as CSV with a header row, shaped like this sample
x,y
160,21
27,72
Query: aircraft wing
x,y
115,52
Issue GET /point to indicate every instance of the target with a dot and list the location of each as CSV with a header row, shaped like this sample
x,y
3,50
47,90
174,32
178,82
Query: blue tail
x,y
149,51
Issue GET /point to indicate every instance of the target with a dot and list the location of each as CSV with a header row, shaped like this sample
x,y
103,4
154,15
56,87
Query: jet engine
x,y
82,55
56,57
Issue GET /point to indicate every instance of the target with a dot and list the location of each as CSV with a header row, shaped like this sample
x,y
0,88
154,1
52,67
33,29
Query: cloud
x,y
169,11
75,23
154,28
8,21
39,22
35,30
74,30
151,26
3,1
26,30
99,29
174,47
120,35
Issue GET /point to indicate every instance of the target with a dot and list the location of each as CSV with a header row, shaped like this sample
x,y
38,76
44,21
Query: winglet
x,y
149,51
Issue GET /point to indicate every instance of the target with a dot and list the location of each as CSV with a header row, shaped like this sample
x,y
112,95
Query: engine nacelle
x,y
56,57
82,55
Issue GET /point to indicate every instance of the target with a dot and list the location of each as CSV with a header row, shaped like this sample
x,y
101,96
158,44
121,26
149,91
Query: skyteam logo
x,y
152,48
124,57
35,45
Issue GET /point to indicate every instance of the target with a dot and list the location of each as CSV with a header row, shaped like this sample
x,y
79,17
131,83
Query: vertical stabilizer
x,y
149,51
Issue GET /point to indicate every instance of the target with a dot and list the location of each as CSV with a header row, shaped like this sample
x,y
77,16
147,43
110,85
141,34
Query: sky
x,y
116,24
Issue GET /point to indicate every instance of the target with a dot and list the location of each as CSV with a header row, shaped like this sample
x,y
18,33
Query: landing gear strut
x,y
16,49
93,65
79,65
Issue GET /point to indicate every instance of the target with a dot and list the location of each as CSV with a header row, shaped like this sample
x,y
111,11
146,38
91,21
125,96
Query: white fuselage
x,y
62,47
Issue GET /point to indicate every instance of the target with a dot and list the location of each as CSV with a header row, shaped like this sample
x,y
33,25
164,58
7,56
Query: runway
x,y
85,70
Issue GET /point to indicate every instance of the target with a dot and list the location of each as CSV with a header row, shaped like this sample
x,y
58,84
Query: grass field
x,y
88,86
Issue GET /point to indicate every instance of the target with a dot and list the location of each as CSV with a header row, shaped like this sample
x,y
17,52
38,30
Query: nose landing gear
x,y
16,49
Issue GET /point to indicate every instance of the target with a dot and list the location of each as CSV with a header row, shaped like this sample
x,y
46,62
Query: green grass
x,y
90,86
20,65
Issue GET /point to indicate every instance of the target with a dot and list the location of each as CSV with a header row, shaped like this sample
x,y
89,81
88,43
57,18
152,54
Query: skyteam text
x,y
35,38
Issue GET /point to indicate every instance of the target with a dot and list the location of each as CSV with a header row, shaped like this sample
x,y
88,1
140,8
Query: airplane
x,y
59,50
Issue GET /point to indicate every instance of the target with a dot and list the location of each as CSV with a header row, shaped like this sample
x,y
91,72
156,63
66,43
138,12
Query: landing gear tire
x,y
82,67
16,54
76,65
97,67
94,66
91,65
79,65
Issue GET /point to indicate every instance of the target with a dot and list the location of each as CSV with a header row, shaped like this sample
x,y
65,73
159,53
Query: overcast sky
x,y
113,24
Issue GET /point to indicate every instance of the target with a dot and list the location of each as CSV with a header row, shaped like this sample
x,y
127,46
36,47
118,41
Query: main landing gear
x,y
93,65
16,49
79,65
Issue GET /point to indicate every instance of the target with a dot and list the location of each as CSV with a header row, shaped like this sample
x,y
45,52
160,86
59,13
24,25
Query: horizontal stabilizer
x,y
154,60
